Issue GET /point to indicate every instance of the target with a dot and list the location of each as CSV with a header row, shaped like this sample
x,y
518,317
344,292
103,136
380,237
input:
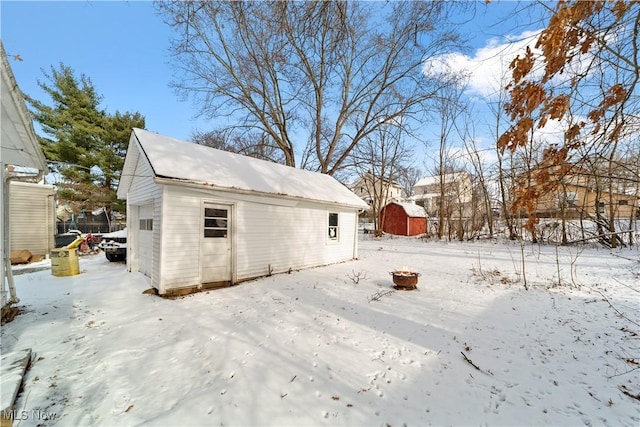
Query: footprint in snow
x,y
121,403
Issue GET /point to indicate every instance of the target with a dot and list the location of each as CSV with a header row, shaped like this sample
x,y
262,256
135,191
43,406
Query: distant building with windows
x,y
457,191
580,194
380,190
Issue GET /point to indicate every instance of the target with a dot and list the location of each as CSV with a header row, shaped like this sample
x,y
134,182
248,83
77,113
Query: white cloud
x,y
488,68
552,132
486,156
487,72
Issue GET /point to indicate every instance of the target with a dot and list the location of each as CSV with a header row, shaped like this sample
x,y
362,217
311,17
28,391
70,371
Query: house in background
x,y
199,217
403,219
20,158
377,190
575,195
458,194
33,217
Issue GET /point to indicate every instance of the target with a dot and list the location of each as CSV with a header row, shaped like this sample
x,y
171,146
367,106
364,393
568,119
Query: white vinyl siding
x,y
287,238
268,235
180,238
277,238
145,238
143,191
32,217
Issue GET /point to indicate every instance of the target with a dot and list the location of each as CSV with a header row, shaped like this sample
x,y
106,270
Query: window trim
x,y
146,224
330,227
217,229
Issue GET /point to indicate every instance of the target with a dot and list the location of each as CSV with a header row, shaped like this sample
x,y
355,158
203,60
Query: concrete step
x,y
13,366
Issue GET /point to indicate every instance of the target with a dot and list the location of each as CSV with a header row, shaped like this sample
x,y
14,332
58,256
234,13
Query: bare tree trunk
x,y
325,73
563,204
441,206
504,199
461,231
480,177
378,162
612,208
503,186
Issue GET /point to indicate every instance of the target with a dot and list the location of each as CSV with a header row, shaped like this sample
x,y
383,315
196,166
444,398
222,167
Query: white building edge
x,y
200,217
19,147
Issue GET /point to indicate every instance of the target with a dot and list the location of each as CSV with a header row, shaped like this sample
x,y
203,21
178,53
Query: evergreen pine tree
x,y
83,143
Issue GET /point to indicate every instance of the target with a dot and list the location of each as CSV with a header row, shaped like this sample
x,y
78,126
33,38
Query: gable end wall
x,y
144,190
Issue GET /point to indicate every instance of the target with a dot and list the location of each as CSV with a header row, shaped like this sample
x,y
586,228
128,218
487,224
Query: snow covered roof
x,y
189,162
412,210
122,234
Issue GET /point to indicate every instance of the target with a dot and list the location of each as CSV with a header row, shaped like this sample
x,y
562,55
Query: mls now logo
x,y
34,414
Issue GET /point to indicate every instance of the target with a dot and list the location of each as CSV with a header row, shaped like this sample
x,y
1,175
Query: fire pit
x,y
405,280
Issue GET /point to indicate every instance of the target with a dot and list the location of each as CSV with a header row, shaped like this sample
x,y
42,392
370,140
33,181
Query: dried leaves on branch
x,y
582,71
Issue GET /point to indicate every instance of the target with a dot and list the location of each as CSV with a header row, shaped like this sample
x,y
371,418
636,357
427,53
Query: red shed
x,y
403,219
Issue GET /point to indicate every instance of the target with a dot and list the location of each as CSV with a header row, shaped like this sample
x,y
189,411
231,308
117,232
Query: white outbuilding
x,y
20,157
199,217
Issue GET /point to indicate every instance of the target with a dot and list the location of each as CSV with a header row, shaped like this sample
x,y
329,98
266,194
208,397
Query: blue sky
x,y
123,48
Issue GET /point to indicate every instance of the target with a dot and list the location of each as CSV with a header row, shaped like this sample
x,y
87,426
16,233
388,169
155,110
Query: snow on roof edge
x,y
412,210
239,173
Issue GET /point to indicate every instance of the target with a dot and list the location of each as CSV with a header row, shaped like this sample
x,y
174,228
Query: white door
x,y
215,237
145,239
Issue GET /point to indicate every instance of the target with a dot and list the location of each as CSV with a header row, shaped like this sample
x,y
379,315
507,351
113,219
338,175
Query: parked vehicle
x,y
114,245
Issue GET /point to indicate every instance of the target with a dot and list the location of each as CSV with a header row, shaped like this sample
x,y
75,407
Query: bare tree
x,y
630,170
379,162
449,109
324,74
505,170
485,202
613,175
588,69
408,177
506,184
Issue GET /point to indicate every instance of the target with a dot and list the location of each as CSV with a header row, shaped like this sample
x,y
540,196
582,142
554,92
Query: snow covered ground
x,y
332,346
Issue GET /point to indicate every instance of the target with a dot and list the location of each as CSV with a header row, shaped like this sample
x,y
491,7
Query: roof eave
x,y
29,139
166,180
